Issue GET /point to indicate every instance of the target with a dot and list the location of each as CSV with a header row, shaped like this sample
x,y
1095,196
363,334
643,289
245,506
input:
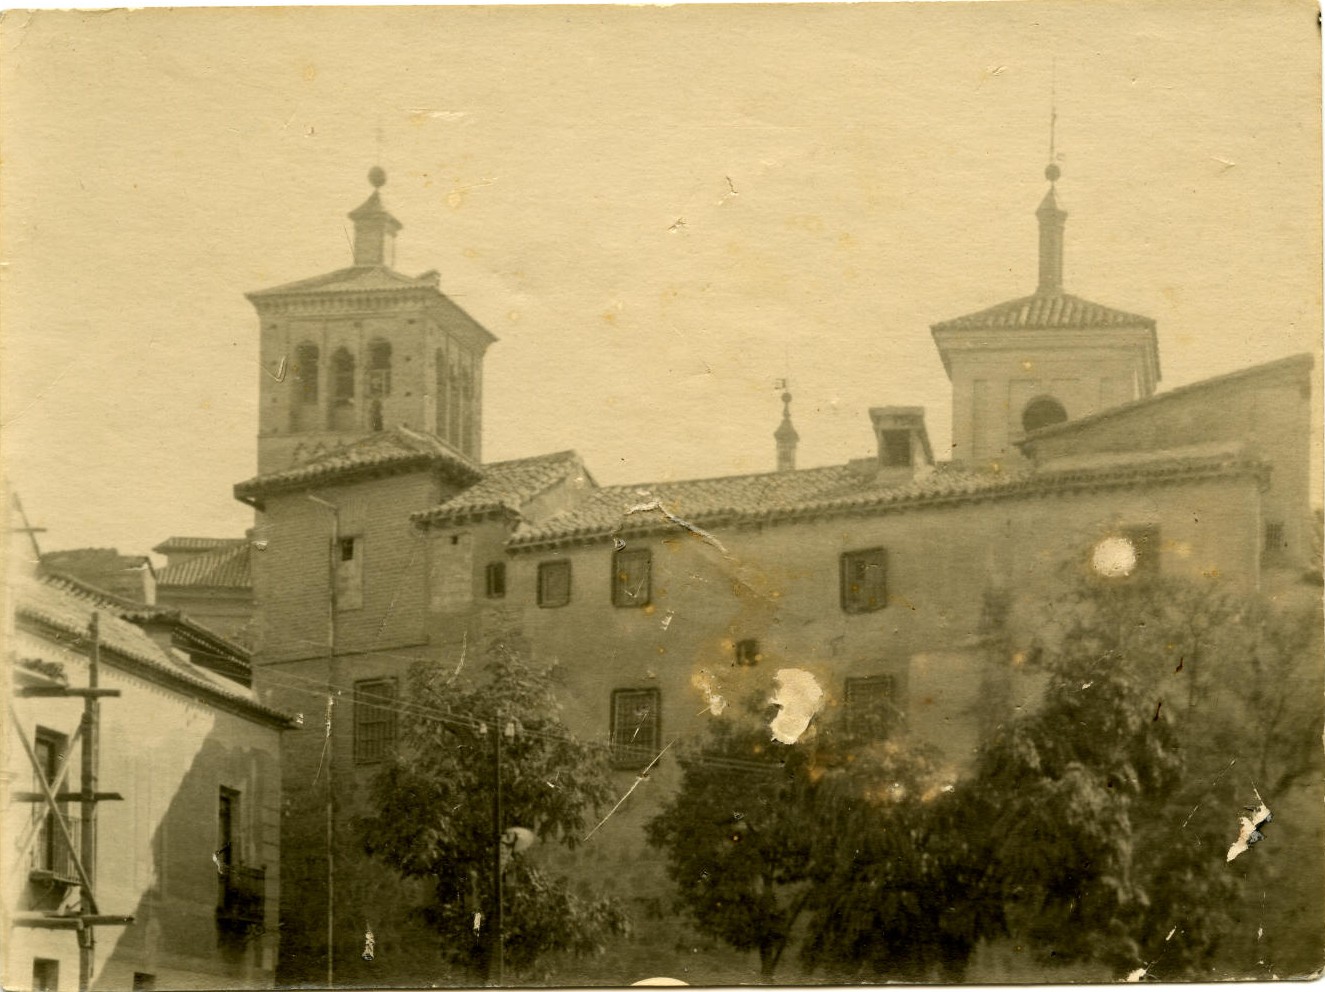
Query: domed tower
x,y
1040,359
363,349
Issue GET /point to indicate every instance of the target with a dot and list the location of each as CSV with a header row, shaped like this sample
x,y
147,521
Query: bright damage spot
x,y
707,686
798,698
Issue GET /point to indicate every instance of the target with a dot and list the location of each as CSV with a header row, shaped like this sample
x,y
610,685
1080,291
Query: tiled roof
x,y
172,545
506,486
227,567
398,449
603,511
88,561
355,279
842,490
68,607
1059,310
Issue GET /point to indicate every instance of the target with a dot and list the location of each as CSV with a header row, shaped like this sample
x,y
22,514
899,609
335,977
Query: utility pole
x,y
332,550
87,940
53,795
498,951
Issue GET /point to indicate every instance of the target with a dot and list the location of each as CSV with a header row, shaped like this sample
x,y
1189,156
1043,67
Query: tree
x,y
755,822
1094,829
434,818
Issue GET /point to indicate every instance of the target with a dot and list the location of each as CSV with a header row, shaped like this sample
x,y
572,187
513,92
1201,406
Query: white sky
x,y
847,175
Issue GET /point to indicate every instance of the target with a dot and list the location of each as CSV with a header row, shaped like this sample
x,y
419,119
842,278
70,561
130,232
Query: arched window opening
x,y
453,406
467,412
1041,413
342,390
440,398
379,368
305,372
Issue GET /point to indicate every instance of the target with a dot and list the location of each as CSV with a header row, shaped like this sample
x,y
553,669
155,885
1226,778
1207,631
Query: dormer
x,y
904,452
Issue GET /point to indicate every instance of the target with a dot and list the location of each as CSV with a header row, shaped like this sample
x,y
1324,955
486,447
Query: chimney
x,y
904,451
373,226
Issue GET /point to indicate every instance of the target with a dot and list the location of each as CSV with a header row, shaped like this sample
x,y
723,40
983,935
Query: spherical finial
x,y
786,398
1052,172
377,176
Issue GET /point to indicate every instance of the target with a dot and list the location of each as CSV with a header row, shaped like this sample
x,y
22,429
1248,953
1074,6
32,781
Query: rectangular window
x,y
241,888
1276,545
747,653
1145,545
896,448
45,975
553,583
51,856
349,573
143,982
636,727
864,580
374,720
631,577
870,706
496,580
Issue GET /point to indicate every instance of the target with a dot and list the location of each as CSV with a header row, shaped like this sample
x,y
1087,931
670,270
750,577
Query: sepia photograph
x,y
804,494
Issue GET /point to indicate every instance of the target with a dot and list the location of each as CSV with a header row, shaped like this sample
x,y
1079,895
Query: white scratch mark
x,y
667,620
443,115
798,698
478,921
634,785
685,524
1135,975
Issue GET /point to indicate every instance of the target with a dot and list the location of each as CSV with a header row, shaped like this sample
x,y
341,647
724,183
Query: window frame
x,y
633,753
494,580
547,569
747,653
377,747
619,579
853,599
862,724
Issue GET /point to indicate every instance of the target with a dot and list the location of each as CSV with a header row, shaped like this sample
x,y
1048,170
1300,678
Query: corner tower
x,y
1040,359
363,349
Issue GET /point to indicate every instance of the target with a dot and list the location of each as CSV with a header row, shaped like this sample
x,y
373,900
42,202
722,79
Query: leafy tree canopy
x,y
434,813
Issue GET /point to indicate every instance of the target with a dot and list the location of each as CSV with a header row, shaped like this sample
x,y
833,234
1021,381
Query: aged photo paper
x,y
806,494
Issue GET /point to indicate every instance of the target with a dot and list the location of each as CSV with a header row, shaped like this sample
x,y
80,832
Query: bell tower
x,y
1040,359
363,349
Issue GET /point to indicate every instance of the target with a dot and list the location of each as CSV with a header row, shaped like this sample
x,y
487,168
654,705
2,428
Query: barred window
x,y
631,577
553,583
1276,545
870,706
636,726
864,580
374,719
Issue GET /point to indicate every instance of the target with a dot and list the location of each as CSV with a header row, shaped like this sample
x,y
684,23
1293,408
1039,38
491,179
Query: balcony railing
x,y
243,897
52,860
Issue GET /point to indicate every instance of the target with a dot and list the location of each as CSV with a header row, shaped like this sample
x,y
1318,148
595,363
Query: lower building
x,y
183,886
